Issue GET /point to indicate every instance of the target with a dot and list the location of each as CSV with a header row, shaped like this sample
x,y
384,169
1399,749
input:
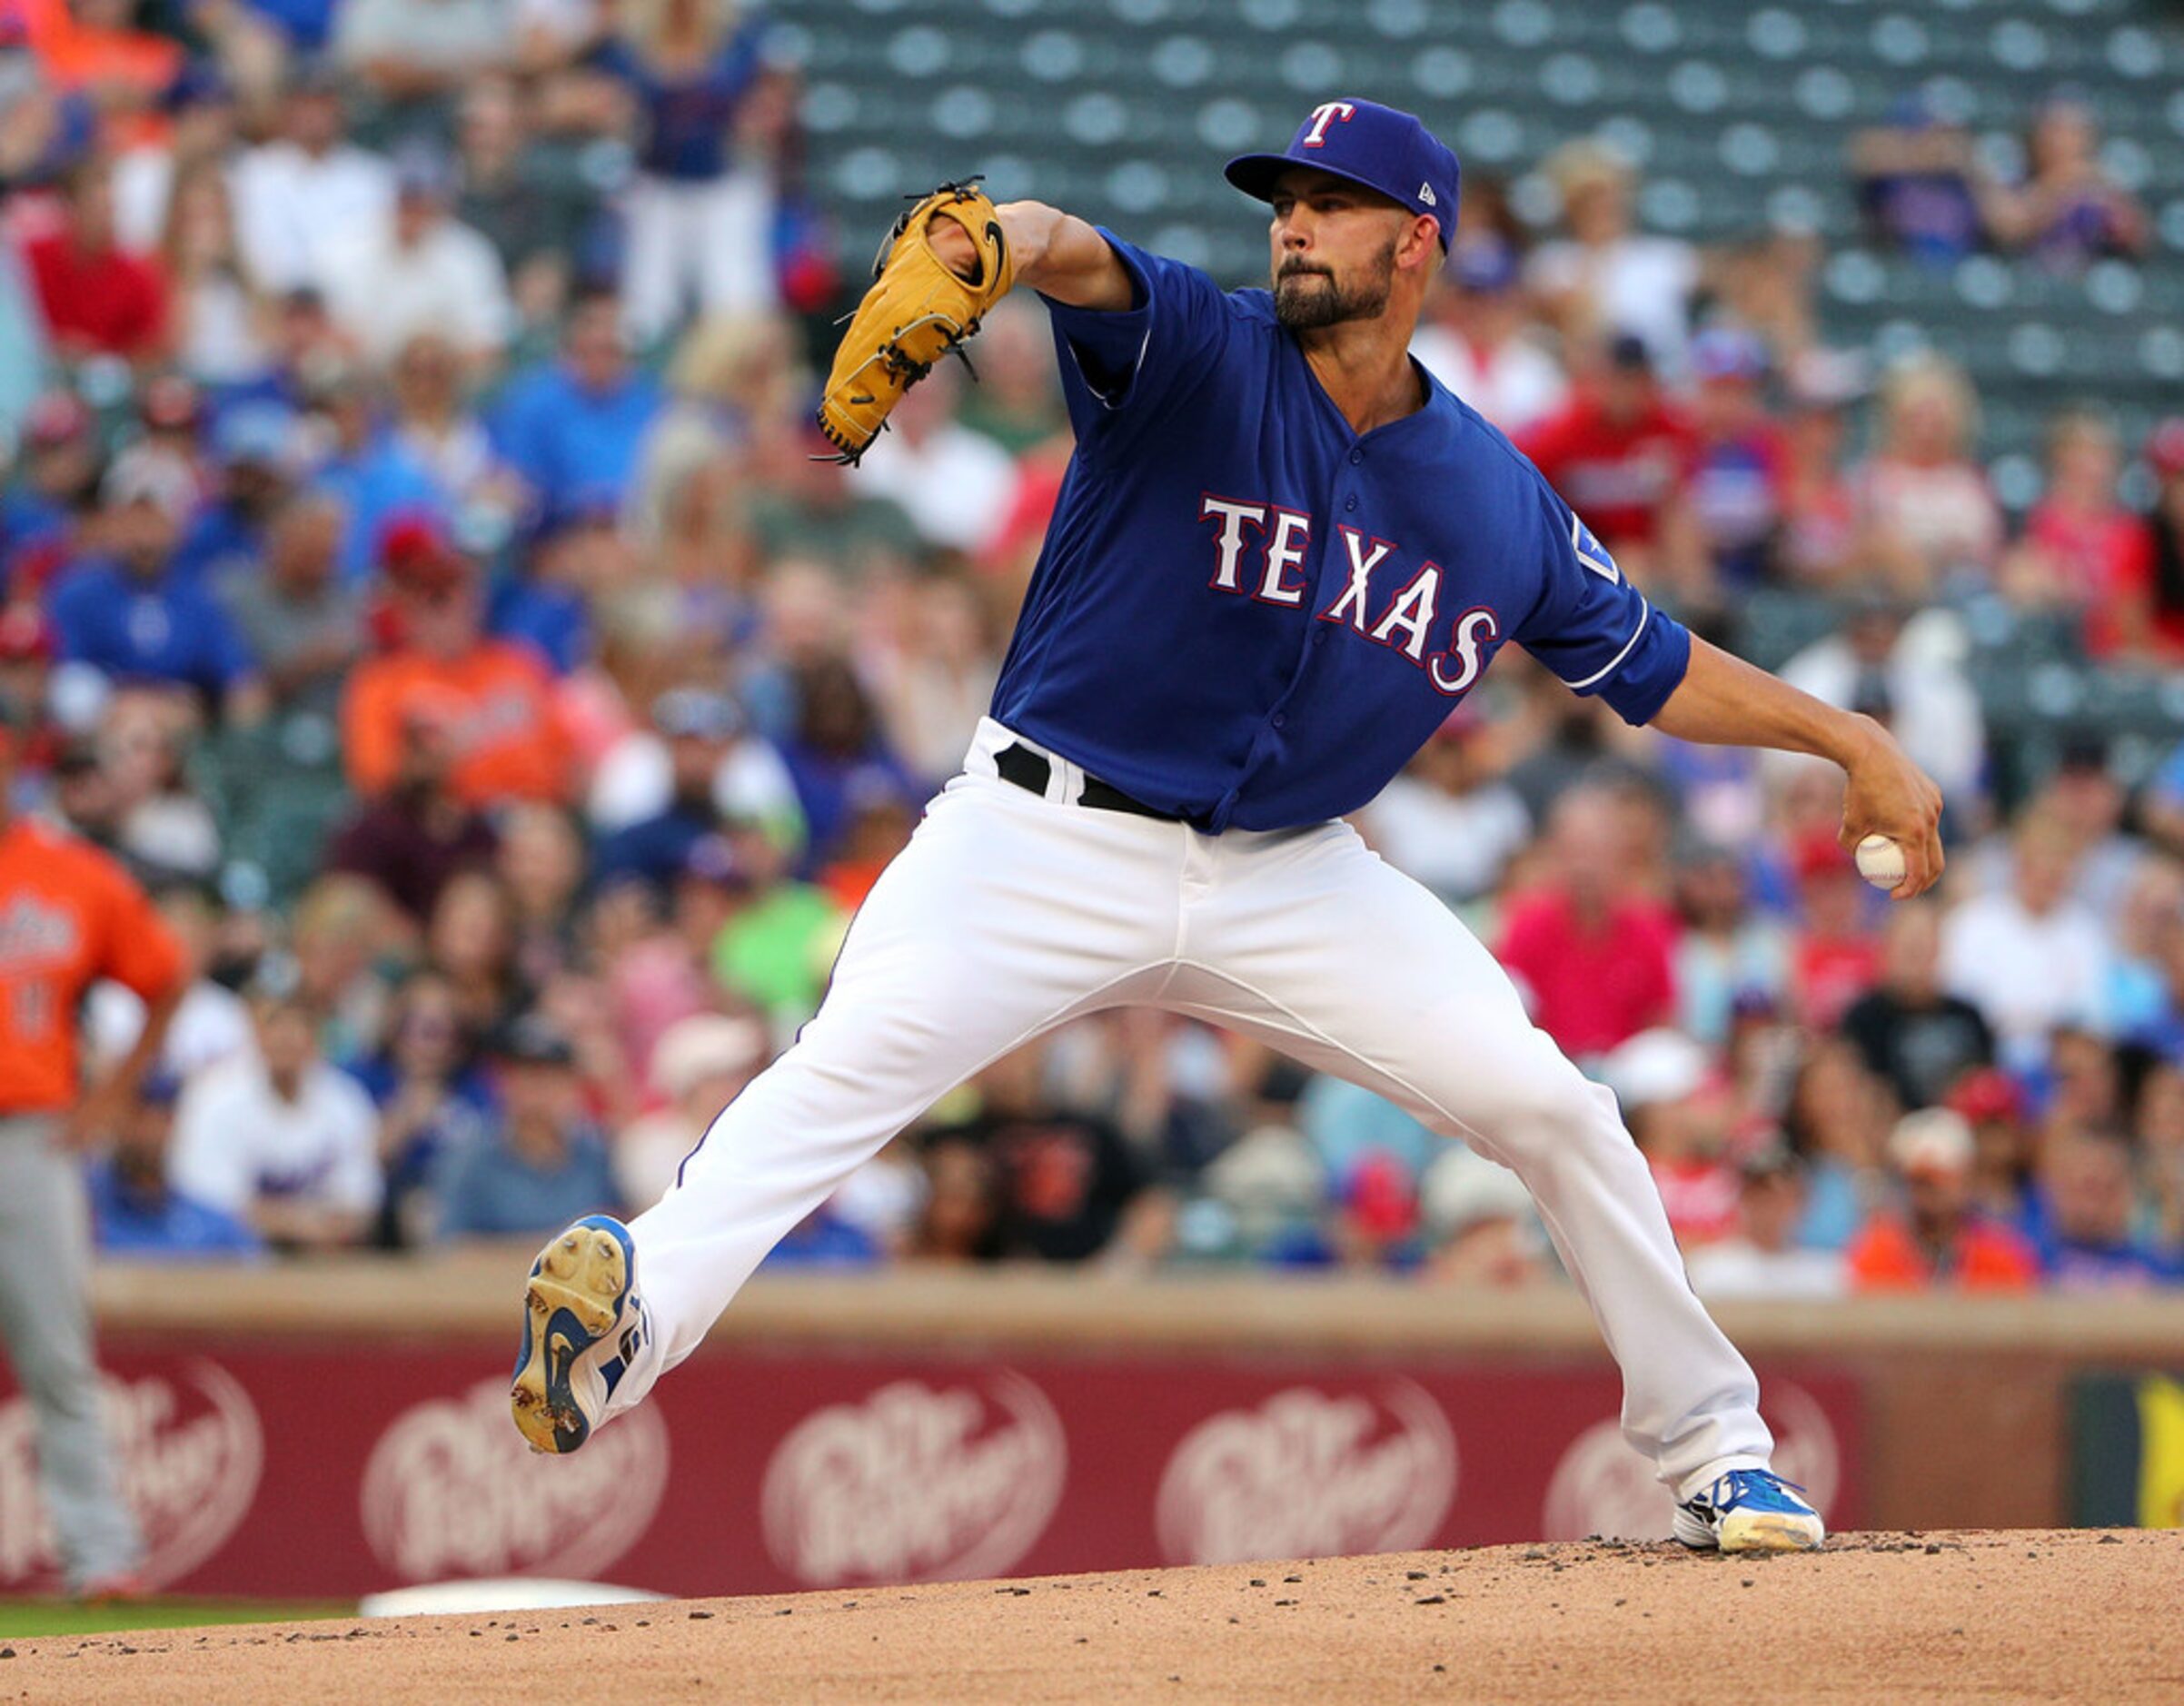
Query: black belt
x,y
1031,771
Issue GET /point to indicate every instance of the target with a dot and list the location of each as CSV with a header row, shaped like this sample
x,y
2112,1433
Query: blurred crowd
x,y
413,565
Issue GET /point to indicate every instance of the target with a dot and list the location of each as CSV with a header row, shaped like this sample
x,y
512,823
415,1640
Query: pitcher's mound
x,y
1995,1615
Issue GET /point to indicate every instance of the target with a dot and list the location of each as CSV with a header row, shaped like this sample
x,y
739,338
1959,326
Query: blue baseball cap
x,y
1385,150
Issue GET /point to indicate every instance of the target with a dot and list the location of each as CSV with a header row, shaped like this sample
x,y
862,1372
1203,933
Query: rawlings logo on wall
x,y
190,1452
451,1490
1604,1487
1310,1474
916,1484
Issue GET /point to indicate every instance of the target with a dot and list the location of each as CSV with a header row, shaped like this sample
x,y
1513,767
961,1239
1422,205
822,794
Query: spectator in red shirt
x,y
1931,514
27,648
1939,1241
2084,550
1819,543
1679,1114
1594,958
1620,453
97,299
2005,1145
1835,958
2165,542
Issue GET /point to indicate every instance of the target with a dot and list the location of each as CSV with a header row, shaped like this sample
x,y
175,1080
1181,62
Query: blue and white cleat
x,y
1749,1510
582,1325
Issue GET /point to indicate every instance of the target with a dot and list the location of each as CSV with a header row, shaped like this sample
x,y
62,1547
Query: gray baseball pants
x,y
45,1320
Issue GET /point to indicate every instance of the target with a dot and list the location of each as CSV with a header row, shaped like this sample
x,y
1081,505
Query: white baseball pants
x,y
1009,914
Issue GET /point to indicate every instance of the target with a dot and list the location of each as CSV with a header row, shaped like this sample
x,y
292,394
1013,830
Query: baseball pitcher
x,y
1281,556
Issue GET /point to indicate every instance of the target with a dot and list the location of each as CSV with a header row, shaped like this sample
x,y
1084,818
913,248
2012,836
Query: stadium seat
x,y
1738,115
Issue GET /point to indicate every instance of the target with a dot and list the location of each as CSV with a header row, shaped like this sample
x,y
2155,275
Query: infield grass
x,y
25,1618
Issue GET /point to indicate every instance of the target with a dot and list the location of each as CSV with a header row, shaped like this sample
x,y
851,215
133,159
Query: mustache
x,y
1302,269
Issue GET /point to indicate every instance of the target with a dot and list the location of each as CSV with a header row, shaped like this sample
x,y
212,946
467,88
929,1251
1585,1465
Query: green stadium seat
x,y
1737,114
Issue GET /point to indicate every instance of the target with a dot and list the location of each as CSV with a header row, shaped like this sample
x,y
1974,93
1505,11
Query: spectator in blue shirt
x,y
375,479
701,221
132,616
136,1214
57,481
302,349
544,1163
700,729
1921,183
823,1239
838,758
2084,1236
432,1098
548,605
305,24
575,426
254,444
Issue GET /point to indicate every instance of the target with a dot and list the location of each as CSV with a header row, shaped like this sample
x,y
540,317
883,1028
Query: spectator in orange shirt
x,y
94,46
68,915
1940,1242
495,698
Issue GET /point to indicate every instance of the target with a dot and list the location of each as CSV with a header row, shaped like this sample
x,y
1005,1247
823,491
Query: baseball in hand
x,y
1880,861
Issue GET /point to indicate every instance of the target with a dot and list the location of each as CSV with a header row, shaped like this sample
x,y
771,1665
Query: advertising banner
x,y
269,1467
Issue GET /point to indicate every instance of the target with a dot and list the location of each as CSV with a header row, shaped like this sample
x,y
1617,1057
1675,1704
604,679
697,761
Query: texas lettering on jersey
x,y
1259,549
1232,572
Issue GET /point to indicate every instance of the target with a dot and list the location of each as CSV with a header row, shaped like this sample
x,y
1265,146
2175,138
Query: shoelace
x,y
1743,1482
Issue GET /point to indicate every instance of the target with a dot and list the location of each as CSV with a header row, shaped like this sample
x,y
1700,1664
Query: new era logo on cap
x,y
1378,146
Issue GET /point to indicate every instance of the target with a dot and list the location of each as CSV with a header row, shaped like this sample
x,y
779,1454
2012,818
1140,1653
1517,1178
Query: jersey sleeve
x,y
1593,628
1121,362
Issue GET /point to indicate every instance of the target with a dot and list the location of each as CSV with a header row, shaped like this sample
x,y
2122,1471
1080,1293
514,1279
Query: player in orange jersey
x,y
69,915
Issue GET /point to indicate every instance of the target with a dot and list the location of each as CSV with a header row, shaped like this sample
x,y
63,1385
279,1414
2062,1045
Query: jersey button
x,y
1357,457
1280,721
1350,503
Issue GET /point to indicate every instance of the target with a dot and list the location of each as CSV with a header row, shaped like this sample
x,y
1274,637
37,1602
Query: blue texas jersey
x,y
1247,614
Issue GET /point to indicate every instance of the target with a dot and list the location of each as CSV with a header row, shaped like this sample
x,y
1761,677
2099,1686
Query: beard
x,y
1304,306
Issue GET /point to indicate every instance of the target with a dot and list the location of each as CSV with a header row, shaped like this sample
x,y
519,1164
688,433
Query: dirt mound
x,y
2000,1615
